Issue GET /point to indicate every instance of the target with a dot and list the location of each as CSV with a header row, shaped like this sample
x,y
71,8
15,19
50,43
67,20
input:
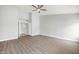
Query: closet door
x,y
23,23
23,29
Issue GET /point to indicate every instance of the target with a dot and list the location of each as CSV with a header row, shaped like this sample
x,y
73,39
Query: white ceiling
x,y
52,9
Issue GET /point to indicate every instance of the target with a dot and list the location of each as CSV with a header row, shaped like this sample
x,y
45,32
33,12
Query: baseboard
x,y
34,34
60,37
12,38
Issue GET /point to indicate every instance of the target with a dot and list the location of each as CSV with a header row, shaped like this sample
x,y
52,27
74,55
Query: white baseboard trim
x,y
35,34
60,37
12,38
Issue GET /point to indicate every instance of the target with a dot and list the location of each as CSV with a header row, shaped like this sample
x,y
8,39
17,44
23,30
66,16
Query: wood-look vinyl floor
x,y
39,45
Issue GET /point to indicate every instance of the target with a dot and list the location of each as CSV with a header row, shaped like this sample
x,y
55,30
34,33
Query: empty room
x,y
39,29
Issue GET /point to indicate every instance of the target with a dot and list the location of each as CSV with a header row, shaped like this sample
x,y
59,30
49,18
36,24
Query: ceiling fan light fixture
x,y
38,8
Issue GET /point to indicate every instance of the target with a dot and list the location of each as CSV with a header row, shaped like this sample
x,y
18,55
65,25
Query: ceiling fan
x,y
38,8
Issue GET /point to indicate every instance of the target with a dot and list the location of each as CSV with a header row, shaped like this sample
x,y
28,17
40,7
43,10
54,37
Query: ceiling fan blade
x,y
40,6
34,6
34,10
43,9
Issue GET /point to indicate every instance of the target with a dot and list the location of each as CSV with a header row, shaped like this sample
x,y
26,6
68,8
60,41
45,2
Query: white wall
x,y
25,12
63,26
1,25
8,22
35,24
